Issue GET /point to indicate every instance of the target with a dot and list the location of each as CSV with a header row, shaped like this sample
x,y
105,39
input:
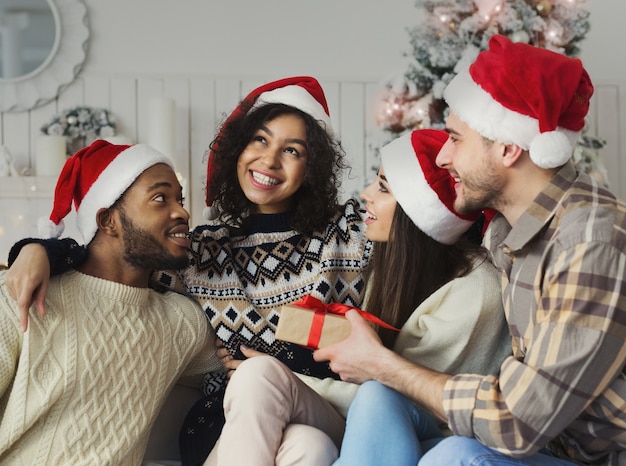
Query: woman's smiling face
x,y
272,167
380,207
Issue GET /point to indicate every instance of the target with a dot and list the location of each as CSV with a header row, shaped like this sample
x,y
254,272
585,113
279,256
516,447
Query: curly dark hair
x,y
316,201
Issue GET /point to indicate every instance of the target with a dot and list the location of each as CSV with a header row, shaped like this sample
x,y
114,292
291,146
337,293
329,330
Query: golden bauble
x,y
543,7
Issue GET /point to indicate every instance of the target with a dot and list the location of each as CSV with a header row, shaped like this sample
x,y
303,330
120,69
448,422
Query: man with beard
x,y
559,240
86,382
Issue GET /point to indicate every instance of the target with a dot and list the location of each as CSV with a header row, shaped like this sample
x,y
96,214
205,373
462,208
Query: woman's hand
x,y
229,363
27,280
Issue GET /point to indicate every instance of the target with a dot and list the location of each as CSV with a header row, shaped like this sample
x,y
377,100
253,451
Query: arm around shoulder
x,y
63,254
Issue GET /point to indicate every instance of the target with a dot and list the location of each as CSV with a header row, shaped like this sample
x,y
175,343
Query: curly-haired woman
x,y
440,289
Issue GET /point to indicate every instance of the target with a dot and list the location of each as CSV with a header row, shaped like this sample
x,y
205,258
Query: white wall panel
x,y
97,92
203,124
178,90
147,89
16,137
607,122
123,104
352,123
373,137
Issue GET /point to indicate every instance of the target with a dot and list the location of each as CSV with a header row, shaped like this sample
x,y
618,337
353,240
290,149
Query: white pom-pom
x,y
550,149
48,229
211,212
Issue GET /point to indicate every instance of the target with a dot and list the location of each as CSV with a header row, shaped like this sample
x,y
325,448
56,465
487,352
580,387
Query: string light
x,y
557,24
396,111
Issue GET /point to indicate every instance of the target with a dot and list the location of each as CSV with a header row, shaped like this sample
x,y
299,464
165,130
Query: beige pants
x,y
272,417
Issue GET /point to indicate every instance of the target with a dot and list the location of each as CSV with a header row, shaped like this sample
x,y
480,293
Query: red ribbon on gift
x,y
321,309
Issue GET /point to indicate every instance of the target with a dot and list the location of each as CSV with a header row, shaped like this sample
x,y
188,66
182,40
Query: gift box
x,y
310,327
311,323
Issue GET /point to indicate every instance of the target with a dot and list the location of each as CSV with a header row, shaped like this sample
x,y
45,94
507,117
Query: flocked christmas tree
x,y
448,38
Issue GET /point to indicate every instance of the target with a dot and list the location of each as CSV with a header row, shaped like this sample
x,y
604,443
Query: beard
x,y
143,251
481,189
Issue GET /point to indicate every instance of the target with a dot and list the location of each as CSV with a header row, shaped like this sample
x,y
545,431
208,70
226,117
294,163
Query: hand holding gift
x,y
313,324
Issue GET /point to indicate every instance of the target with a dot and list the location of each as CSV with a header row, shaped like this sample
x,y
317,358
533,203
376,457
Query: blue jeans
x,y
383,427
465,451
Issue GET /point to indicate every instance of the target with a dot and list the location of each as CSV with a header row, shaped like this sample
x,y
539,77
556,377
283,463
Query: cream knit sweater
x,y
460,328
84,385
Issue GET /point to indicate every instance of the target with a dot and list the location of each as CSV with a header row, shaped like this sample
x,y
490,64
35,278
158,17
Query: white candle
x,y
162,125
50,155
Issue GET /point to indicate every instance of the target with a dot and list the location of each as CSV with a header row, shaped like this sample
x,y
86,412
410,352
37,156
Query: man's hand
x,y
229,363
362,357
354,358
27,280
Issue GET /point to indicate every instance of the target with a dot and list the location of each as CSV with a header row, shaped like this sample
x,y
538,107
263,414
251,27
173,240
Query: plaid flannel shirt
x,y
564,290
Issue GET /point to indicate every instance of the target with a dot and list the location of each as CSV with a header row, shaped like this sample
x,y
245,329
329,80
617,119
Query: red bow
x,y
321,309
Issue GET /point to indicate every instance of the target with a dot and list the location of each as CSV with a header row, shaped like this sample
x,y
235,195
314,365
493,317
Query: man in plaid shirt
x,y
560,242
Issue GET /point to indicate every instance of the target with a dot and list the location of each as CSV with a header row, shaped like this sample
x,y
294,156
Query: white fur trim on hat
x,y
485,115
48,229
298,97
417,198
113,181
210,212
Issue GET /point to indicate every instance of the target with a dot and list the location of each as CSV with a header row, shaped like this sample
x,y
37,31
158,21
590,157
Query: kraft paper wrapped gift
x,y
311,328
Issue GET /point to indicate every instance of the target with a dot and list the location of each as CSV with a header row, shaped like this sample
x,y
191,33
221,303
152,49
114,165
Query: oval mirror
x,y
42,48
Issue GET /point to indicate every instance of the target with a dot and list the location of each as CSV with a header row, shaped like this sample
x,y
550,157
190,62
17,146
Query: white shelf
x,y
27,187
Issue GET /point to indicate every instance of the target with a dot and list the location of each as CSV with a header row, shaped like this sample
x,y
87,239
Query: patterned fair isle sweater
x,y
242,281
84,385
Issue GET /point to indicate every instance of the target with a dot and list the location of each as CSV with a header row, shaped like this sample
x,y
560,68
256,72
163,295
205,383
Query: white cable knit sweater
x,y
84,385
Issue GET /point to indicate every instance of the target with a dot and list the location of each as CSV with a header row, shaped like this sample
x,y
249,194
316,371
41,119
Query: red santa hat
x,y
519,94
424,191
301,92
94,178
